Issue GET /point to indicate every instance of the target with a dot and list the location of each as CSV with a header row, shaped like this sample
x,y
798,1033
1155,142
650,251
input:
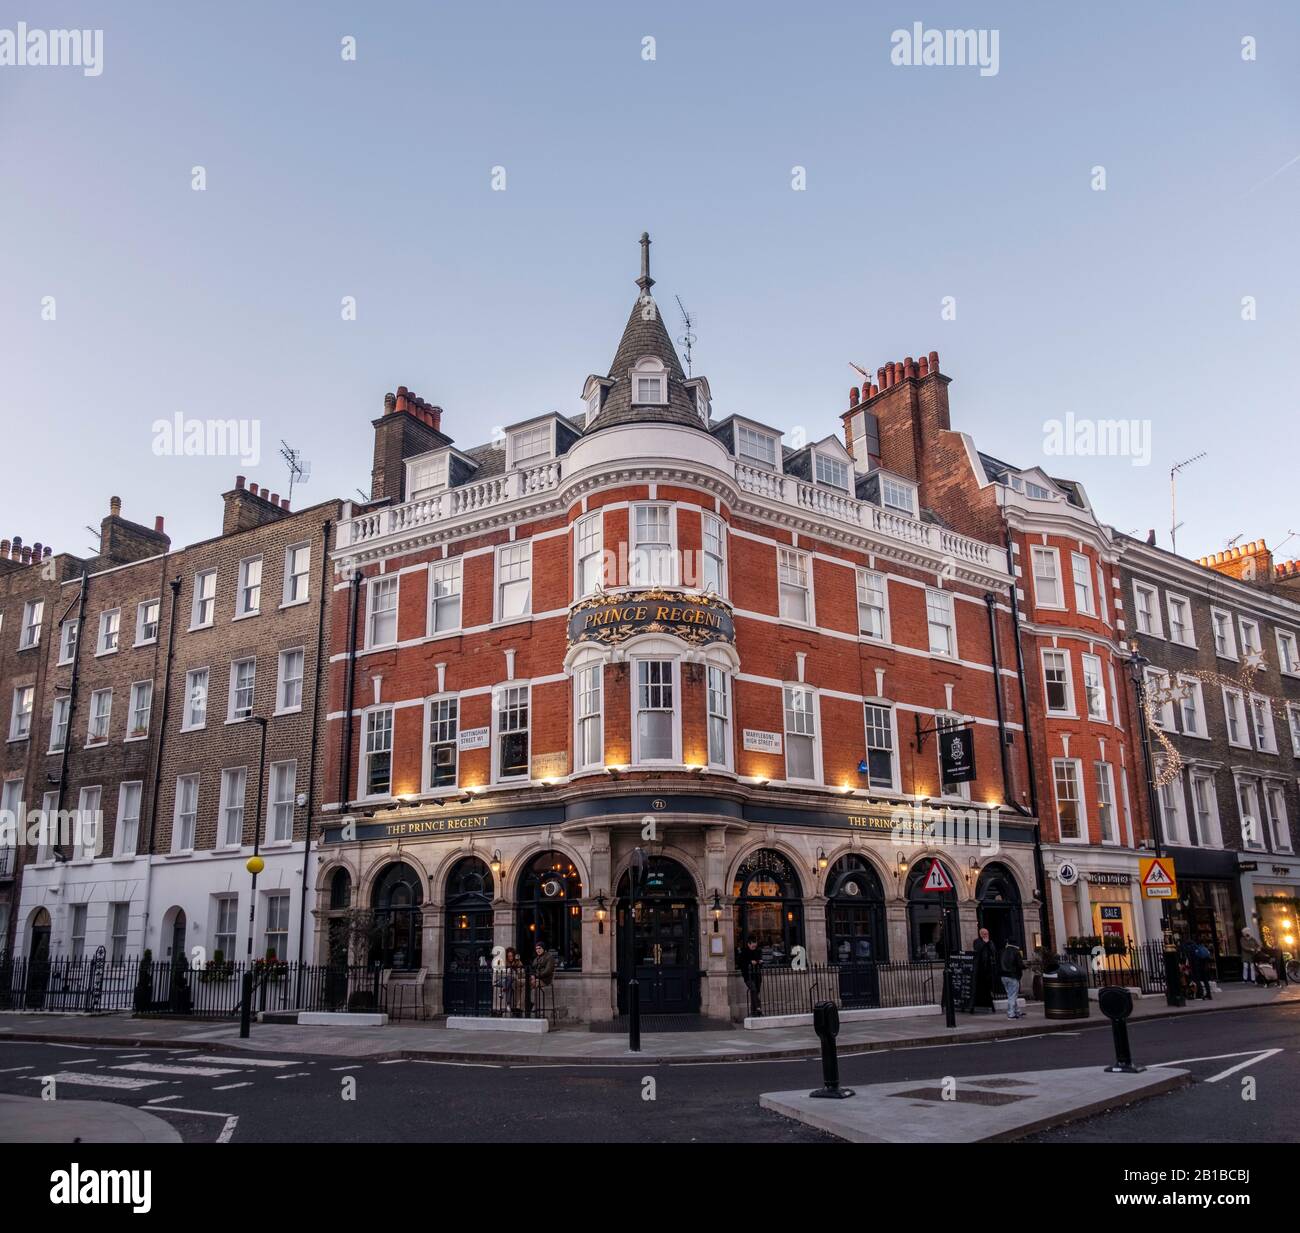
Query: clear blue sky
x,y
371,179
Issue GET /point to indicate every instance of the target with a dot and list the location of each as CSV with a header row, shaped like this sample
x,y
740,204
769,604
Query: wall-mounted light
x,y
717,910
902,866
972,869
601,912
496,861
822,859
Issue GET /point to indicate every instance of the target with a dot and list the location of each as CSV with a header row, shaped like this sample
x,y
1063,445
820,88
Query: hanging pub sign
x,y
957,754
610,619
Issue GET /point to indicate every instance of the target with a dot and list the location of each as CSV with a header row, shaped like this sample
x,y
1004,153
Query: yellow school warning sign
x,y
1157,877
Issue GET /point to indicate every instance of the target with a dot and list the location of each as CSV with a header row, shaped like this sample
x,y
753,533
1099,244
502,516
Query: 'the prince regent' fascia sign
x,y
609,619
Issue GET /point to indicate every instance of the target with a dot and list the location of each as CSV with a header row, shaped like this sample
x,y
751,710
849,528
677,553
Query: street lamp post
x,y
254,866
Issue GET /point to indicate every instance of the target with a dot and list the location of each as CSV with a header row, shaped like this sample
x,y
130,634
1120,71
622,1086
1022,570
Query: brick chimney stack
x,y
408,426
1251,562
250,505
121,540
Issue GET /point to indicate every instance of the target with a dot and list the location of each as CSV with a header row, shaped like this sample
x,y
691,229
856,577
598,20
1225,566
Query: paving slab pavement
x,y
26,1119
975,1109
576,1045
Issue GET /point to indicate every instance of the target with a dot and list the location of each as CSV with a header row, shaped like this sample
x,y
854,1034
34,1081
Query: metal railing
x,y
851,986
487,992
1139,967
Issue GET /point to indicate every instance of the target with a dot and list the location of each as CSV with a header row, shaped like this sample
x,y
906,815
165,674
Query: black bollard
x,y
246,1006
826,1023
1117,1005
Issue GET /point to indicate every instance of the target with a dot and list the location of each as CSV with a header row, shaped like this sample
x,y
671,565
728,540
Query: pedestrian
x,y
751,971
1250,948
1201,959
1013,968
510,984
984,976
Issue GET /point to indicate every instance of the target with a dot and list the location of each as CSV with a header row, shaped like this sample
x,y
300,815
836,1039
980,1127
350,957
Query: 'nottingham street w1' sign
x,y
697,619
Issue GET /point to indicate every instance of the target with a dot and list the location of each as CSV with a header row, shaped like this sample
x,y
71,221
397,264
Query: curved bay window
x,y
998,906
396,941
467,953
925,915
769,904
550,909
855,913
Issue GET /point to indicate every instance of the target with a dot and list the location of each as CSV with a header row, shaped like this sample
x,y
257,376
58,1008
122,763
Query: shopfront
x,y
1270,885
1208,908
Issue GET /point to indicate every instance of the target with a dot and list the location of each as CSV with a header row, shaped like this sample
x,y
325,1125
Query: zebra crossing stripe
x,y
243,1061
198,1072
83,1080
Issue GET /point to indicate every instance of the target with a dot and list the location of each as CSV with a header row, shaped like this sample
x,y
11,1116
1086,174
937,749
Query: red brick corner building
x,y
651,628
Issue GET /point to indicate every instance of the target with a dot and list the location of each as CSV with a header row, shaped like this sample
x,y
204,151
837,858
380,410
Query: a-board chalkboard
x,y
963,981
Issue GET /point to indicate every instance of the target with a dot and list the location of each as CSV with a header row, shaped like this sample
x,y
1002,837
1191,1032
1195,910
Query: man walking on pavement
x,y
1013,968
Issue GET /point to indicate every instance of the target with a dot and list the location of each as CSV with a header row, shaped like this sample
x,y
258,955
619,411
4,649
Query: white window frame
x,y
1152,594
142,638
269,911
1293,724
1071,710
1166,717
205,580
757,448
1279,824
187,709
134,707
33,624
449,573
427,474
243,606
1173,809
98,712
835,466
432,708
869,580
386,583
1235,713
1209,831
1081,575
792,563
713,554
120,845
280,807
674,710
1260,711
119,928
59,726
1074,767
1244,787
1171,600
109,641
898,496
69,632
1104,783
368,715
653,562
890,728
717,713
21,715
499,694
77,930
931,594
178,815
1094,693
221,905
589,715
1196,694
1288,652
1255,642
283,680
588,554
544,432
1221,620
1044,554
813,709
514,556
232,713
229,806
289,598
649,368
90,800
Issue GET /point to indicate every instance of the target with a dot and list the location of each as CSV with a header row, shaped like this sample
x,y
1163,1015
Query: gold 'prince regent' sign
x,y
697,619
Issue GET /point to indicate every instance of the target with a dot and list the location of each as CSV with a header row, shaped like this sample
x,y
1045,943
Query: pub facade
x,y
771,670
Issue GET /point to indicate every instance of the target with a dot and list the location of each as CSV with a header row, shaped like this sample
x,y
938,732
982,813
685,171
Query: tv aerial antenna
x,y
1174,524
688,339
299,467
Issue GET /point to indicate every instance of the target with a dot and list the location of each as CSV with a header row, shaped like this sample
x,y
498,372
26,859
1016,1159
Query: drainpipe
x,y
175,585
345,762
315,732
56,847
1040,872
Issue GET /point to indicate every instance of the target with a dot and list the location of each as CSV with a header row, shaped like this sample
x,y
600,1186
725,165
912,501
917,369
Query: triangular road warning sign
x,y
936,879
1156,876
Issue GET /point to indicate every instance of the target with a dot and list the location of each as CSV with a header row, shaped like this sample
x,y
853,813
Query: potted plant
x,y
217,968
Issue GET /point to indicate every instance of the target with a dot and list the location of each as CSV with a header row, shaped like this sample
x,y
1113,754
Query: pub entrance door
x,y
467,979
659,938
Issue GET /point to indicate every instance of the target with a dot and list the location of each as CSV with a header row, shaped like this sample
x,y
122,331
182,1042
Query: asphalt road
x,y
290,1097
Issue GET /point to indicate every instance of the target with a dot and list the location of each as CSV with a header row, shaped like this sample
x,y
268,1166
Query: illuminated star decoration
x,y
1156,699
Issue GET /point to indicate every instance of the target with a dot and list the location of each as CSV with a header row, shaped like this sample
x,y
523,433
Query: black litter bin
x,y
1065,993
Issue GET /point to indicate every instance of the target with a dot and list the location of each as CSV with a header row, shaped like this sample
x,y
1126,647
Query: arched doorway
x,y
396,940
855,913
173,935
550,909
659,939
467,951
925,914
38,958
769,905
998,906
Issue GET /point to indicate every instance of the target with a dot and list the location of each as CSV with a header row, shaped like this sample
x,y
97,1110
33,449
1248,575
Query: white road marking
x,y
397,1061
198,1072
1209,1057
84,1080
226,1131
230,1087
122,1055
345,1067
11,1069
158,1100
241,1061
1250,1061
420,1061
298,1074
75,1061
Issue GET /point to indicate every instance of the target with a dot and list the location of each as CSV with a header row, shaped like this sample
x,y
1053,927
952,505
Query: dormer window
x,y
833,472
649,382
593,404
898,496
702,406
756,447
531,445
426,475
1037,491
